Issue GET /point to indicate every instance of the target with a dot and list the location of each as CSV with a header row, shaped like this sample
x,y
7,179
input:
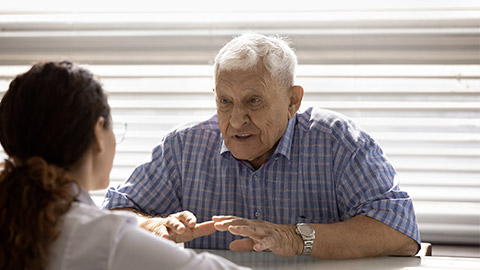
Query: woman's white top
x,y
98,239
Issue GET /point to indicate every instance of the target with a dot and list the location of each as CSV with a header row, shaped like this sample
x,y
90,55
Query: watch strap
x,y
307,239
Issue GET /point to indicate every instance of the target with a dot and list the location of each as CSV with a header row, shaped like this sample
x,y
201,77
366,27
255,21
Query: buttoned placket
x,y
256,176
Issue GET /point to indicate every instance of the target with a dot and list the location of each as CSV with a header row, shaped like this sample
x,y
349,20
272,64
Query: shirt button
x,y
257,213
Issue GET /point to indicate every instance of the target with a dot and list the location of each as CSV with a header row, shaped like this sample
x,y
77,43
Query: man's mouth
x,y
243,136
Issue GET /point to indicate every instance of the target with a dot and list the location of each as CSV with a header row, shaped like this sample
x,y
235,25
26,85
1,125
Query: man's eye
x,y
254,100
223,100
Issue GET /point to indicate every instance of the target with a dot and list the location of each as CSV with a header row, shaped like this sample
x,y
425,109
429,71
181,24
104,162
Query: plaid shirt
x,y
324,170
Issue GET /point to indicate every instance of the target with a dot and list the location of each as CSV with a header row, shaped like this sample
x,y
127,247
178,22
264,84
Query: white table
x,y
267,260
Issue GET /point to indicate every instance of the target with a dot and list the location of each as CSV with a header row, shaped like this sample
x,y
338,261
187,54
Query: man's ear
x,y
99,134
296,96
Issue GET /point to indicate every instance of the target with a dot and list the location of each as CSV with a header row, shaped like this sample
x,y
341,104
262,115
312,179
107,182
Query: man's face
x,y
252,113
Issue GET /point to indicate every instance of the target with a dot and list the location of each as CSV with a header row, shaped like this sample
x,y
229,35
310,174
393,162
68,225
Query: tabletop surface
x,y
268,260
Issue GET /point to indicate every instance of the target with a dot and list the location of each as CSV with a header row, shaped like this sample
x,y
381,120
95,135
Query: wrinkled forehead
x,y
237,76
244,82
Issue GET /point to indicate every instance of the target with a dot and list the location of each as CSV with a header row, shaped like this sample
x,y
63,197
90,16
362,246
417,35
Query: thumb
x,y
242,245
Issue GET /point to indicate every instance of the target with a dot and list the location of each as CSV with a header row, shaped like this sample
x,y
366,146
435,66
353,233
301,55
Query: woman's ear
x,y
296,96
99,135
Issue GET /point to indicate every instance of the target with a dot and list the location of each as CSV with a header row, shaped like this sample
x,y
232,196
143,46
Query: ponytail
x,y
34,195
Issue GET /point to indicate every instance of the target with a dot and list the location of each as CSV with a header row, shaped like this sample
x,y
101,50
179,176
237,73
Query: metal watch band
x,y
308,236
307,247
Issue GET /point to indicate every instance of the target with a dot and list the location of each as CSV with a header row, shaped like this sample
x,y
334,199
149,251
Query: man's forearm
x,y
358,237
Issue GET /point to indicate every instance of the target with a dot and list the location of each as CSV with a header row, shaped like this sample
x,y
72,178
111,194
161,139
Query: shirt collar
x,y
84,197
283,147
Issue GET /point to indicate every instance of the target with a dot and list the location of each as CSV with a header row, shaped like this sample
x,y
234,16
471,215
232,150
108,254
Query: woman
x,y
56,128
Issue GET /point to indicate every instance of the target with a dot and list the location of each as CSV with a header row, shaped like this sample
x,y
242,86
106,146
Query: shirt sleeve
x,y
154,187
138,249
369,186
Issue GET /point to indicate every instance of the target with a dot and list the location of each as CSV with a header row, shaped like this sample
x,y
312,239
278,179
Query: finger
x,y
222,225
242,245
187,218
175,225
202,229
261,241
247,231
162,231
221,218
264,244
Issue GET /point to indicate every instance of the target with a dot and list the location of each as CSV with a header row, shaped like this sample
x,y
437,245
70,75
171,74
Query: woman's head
x,y
54,122
50,112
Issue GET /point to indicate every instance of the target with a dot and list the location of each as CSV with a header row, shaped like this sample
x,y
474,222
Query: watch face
x,y
305,229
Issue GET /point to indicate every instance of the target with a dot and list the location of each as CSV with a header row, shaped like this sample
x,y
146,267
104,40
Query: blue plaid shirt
x,y
324,170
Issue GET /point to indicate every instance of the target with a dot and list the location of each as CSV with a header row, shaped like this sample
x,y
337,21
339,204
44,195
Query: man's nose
x,y
239,117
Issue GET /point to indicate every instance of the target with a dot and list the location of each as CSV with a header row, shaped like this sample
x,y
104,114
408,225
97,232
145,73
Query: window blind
x,y
409,75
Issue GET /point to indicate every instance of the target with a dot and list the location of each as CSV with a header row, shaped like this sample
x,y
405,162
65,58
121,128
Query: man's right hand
x,y
179,227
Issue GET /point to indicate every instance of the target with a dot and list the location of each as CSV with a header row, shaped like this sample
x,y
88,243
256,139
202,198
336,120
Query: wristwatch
x,y
308,235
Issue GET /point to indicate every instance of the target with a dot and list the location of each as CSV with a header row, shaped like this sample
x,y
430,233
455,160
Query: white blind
x,y
408,73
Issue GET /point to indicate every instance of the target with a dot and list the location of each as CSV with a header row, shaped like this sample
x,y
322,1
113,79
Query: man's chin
x,y
242,157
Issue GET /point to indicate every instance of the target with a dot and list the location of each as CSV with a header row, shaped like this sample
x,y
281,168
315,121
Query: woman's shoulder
x,y
83,219
87,236
84,214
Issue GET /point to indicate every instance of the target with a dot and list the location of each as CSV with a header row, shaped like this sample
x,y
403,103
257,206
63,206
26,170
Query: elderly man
x,y
259,175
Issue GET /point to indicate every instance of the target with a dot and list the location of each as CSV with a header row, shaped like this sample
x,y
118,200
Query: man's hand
x,y
282,240
179,227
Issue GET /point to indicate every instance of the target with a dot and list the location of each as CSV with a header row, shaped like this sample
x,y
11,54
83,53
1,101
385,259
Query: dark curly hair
x,y
47,120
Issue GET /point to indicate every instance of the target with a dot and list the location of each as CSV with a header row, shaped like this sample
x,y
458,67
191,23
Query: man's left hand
x,y
282,240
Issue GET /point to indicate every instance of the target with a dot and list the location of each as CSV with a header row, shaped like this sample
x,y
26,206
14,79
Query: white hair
x,y
247,50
